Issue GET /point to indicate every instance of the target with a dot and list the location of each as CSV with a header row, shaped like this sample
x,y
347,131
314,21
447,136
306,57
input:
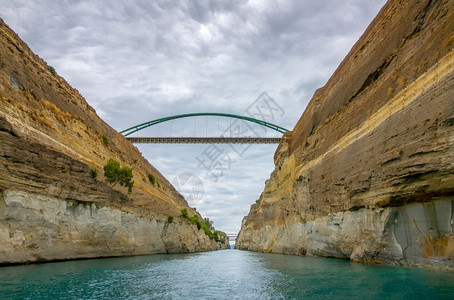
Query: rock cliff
x,y
367,173
54,201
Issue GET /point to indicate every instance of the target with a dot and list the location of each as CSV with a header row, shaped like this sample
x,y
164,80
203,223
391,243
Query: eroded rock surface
x,y
368,171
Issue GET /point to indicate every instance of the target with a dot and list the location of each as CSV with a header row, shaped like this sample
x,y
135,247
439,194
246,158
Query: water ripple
x,y
228,274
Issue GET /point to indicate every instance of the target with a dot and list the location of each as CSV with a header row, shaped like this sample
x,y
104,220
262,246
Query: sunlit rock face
x,y
367,173
54,201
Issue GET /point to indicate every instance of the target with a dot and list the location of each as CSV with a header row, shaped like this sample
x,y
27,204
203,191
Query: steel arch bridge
x,y
204,140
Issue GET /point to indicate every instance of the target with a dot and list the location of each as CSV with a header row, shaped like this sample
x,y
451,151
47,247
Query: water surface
x,y
227,274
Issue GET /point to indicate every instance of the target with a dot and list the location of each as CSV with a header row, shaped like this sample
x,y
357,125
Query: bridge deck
x,y
203,140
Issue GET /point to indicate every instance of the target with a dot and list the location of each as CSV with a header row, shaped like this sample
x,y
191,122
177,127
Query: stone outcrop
x,y
54,201
367,173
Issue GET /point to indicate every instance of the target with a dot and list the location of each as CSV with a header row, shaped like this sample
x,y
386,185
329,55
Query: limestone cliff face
x,y
368,171
51,207
43,228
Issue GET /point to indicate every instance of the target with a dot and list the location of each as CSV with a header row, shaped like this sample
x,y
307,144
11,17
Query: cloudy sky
x,y
140,60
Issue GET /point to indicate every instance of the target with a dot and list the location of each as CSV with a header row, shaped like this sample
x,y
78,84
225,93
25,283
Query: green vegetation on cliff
x,y
114,174
207,226
94,173
152,179
52,70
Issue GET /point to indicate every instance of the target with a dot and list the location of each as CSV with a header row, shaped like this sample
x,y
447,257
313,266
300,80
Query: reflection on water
x,y
227,274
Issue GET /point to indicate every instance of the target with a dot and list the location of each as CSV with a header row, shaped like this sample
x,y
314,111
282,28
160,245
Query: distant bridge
x,y
206,140
232,236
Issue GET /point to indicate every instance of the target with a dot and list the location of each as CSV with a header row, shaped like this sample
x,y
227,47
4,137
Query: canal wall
x,y
37,228
367,173
55,202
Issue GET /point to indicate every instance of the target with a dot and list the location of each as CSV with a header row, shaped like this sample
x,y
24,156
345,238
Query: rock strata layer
x,y
54,201
367,173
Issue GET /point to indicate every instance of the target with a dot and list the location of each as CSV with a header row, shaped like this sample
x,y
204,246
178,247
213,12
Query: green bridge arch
x,y
138,127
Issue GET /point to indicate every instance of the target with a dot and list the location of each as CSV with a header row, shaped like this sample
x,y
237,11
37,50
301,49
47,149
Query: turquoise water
x,y
227,274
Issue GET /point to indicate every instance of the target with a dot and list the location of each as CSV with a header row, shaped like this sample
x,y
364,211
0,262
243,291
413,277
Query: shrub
x,y
170,219
114,174
94,173
152,179
52,70
184,213
130,185
125,175
105,140
220,236
208,223
216,236
257,201
195,219
207,230
111,171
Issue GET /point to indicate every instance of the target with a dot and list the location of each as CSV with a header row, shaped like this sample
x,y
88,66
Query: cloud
x,y
141,60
